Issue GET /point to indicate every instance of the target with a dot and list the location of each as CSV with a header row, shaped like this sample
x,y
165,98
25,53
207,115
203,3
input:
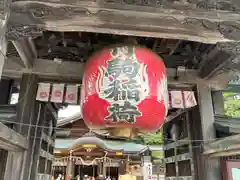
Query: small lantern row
x,y
70,94
58,93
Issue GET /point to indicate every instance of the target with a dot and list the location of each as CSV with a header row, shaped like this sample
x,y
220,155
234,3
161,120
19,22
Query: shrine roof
x,y
63,143
109,145
67,120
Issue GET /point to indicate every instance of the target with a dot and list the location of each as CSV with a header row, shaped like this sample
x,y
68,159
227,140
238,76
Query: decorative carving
x,y
205,4
220,5
70,53
139,2
18,31
41,11
153,3
209,24
224,58
193,22
229,30
230,5
227,6
232,47
38,14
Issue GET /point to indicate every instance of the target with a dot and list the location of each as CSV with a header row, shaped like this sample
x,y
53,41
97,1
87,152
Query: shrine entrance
x,y
113,172
91,171
106,157
57,170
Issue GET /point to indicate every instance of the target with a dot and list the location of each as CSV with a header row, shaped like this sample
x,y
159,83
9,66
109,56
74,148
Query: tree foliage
x,y
232,104
151,138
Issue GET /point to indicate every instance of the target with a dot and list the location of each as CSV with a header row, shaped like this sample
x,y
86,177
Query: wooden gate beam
x,y
224,147
73,71
11,140
67,71
195,22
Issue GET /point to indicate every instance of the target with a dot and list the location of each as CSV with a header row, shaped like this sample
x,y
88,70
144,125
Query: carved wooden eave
x,y
200,21
223,58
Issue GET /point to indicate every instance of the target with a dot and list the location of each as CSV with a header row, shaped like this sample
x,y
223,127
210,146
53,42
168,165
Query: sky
x,y
69,111
66,112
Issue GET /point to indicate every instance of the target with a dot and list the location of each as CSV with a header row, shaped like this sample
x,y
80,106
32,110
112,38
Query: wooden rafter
x,y
175,48
26,50
71,47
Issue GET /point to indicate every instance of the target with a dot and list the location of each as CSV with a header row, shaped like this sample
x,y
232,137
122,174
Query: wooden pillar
x,y
3,161
30,121
27,106
211,167
3,27
122,168
14,164
104,170
70,170
100,168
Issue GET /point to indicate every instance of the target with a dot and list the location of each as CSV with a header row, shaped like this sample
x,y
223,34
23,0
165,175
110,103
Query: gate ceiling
x,y
55,38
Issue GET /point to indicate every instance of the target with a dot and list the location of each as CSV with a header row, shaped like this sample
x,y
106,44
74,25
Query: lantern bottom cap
x,y
123,132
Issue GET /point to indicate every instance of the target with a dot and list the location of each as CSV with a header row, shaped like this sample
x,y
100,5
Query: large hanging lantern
x,y
124,90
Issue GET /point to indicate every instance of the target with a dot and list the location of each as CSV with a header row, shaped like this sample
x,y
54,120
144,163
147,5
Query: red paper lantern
x,y
125,87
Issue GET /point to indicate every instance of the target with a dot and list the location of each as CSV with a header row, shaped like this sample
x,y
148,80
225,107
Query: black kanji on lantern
x,y
127,112
127,68
123,89
118,91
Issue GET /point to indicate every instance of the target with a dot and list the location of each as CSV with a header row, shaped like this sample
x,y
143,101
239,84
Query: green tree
x,y
151,138
232,104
